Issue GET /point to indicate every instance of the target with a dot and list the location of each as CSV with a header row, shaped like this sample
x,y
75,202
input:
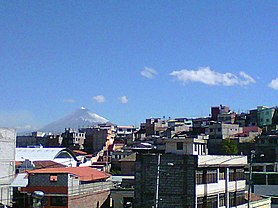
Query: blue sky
x,y
131,60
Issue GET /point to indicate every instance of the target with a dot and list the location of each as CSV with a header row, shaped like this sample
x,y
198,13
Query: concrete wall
x,y
264,203
127,167
267,190
7,163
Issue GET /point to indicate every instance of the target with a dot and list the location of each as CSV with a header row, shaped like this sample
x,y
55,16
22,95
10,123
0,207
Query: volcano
x,y
79,118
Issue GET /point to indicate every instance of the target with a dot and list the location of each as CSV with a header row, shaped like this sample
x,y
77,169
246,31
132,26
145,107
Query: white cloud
x,y
274,84
123,99
99,99
148,73
69,100
207,76
247,78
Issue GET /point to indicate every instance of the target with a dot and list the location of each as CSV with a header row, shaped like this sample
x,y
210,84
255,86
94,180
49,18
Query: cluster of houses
x,y
174,162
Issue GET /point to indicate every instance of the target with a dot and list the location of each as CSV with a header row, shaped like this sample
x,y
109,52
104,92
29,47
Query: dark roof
x,y
130,158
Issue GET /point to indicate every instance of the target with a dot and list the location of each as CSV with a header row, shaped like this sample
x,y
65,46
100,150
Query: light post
x,y
252,155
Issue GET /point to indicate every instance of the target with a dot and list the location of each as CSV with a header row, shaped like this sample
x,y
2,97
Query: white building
x,y
7,164
186,177
123,131
187,145
222,130
60,155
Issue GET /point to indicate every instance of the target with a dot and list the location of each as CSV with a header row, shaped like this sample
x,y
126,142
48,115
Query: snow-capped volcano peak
x,y
81,117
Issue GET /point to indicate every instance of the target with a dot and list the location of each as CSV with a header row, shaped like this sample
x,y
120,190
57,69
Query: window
x,y
270,168
200,202
222,174
211,176
199,177
207,202
211,130
59,201
232,199
179,145
222,200
272,179
195,147
53,178
237,198
212,201
204,148
240,174
232,174
259,179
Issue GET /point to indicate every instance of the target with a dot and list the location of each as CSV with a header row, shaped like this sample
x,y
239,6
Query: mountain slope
x,y
80,118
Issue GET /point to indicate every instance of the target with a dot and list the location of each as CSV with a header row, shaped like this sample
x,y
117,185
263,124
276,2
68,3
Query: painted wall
x,y
7,163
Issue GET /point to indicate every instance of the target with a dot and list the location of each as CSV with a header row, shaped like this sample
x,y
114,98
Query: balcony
x,y
220,187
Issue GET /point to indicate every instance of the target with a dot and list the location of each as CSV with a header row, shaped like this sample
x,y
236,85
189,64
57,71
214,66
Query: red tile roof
x,y
47,164
18,163
79,152
84,173
248,129
253,197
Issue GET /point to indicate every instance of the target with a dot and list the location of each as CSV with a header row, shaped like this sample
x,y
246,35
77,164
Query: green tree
x,y
230,147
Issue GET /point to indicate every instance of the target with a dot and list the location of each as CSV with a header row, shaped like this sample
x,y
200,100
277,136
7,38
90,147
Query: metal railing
x,y
88,188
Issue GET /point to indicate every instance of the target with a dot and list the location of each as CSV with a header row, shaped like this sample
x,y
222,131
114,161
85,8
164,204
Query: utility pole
x,y
157,181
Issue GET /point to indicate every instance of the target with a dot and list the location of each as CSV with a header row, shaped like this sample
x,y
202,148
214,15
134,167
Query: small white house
x,y
187,145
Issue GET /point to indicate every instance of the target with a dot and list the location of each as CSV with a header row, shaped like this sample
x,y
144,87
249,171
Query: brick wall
x,y
176,180
44,180
92,200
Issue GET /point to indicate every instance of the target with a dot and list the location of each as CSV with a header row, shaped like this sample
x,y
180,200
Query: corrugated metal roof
x,y
36,154
21,180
